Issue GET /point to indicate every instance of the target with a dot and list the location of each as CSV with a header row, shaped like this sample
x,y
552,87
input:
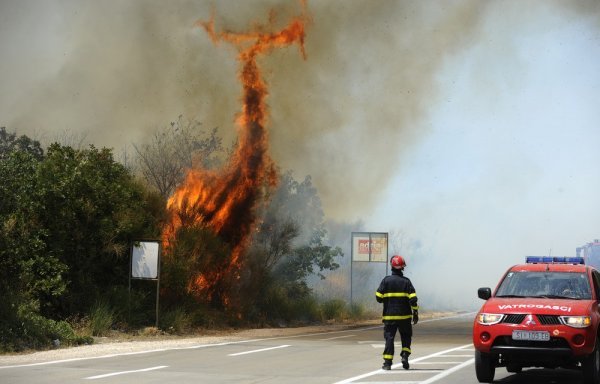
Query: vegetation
x,y
173,150
69,216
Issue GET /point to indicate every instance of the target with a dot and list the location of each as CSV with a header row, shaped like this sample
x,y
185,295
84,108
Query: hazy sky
x,y
471,126
509,165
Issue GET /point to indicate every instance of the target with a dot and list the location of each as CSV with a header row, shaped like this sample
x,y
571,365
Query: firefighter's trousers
x,y
404,327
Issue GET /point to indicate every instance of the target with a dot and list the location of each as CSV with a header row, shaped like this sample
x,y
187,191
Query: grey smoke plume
x,y
348,116
117,70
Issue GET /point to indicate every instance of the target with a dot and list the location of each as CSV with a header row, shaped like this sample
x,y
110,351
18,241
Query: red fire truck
x,y
543,313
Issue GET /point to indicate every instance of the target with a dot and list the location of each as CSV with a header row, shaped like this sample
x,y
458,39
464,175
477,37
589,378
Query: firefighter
x,y
399,299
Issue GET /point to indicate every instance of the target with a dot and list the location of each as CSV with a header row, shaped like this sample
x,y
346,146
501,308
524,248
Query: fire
x,y
224,200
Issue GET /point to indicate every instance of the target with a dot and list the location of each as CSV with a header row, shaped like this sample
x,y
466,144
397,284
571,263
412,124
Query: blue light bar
x,y
554,260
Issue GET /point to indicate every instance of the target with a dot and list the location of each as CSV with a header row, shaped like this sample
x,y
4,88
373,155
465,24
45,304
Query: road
x,y
442,353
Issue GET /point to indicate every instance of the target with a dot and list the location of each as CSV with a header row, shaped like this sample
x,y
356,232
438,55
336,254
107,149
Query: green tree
x,y
9,142
28,269
92,209
289,246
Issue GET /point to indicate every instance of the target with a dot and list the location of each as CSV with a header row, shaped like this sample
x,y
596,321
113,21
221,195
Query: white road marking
x,y
258,350
404,372
447,317
337,337
448,372
125,372
389,382
379,371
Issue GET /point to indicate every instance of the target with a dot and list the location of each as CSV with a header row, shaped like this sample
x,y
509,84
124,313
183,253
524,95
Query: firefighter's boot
x,y
387,365
404,359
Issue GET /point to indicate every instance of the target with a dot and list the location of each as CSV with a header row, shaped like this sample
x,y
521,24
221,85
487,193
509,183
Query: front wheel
x,y
485,367
591,366
514,368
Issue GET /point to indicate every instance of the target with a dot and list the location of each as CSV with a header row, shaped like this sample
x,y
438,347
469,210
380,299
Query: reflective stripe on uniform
x,y
395,294
388,357
403,317
406,350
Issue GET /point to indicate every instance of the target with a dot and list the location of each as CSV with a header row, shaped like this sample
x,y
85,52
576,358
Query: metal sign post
x,y
145,265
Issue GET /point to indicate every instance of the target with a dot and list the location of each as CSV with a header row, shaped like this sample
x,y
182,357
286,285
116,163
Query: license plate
x,y
531,335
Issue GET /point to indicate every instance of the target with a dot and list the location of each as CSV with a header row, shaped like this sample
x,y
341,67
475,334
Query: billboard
x,y
144,260
370,246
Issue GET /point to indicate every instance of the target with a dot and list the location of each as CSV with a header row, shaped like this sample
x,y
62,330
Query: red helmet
x,y
398,262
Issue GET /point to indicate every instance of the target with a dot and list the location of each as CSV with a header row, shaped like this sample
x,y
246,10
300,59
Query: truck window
x,y
566,285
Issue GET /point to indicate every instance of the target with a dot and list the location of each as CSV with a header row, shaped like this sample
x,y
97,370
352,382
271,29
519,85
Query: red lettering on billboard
x,y
376,246
363,247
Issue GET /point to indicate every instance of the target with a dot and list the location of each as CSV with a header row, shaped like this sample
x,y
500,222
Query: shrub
x,y
29,330
357,311
101,318
333,309
175,321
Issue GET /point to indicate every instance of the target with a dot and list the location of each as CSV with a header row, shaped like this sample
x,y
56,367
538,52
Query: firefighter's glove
x,y
415,317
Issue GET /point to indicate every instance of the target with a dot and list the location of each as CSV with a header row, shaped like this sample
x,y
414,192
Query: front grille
x,y
517,318
548,319
514,318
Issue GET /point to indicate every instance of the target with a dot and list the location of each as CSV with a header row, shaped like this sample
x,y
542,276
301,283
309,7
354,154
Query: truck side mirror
x,y
484,293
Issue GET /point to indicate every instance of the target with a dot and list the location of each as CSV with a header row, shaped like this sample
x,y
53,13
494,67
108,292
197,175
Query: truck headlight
x,y
489,318
576,321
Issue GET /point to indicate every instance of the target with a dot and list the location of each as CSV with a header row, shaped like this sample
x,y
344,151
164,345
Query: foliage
x,y
9,143
175,321
29,330
28,269
92,210
67,219
339,310
334,309
196,250
357,311
172,151
101,318
297,202
288,248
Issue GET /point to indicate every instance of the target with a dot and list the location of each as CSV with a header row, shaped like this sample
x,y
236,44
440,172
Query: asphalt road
x,y
442,353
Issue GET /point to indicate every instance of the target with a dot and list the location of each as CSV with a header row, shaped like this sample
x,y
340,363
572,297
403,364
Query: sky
x,y
469,127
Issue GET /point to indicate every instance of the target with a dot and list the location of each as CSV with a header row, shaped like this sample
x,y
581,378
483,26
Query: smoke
x,y
118,71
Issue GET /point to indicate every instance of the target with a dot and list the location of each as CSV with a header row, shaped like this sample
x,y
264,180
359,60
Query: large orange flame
x,y
224,200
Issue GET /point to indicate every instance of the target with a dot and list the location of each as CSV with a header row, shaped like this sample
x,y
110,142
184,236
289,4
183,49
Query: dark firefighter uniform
x,y
399,299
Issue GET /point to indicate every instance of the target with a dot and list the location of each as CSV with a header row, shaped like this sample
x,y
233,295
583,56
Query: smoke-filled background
x,y
468,129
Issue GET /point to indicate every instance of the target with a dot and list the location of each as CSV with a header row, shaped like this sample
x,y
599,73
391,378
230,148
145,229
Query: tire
x,y
591,366
514,368
485,367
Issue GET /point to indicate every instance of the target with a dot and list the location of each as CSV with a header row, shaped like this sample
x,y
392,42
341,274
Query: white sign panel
x,y
144,260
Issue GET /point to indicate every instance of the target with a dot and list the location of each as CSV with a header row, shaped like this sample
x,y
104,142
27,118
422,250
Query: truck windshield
x,y
560,285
